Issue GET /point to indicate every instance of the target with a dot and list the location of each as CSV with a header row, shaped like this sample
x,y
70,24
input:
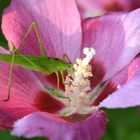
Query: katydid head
x,y
69,68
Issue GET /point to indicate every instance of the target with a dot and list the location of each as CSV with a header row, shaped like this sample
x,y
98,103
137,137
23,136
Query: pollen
x,y
77,83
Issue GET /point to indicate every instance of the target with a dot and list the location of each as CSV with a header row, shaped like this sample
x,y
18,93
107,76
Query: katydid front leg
x,y
66,56
61,73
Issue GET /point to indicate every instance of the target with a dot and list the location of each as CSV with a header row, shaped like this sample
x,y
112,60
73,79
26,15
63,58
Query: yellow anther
x,y
77,83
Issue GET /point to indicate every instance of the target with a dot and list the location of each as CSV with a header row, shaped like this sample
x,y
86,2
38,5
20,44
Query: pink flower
x,y
90,8
116,39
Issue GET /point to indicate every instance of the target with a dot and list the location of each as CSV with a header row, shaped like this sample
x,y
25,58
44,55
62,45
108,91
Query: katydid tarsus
x,y
43,63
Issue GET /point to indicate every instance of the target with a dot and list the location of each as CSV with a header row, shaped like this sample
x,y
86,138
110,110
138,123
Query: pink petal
x,y
120,5
108,89
112,85
24,85
129,94
55,128
46,103
98,72
27,95
58,21
90,8
8,115
116,39
52,78
115,5
125,5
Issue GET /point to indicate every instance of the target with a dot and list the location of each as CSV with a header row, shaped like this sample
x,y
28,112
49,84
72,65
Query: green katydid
x,y
44,64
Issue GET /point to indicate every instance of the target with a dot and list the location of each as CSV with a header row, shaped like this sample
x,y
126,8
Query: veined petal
x,y
129,94
92,8
58,23
27,95
121,5
112,85
55,128
24,84
116,39
11,114
22,95
98,72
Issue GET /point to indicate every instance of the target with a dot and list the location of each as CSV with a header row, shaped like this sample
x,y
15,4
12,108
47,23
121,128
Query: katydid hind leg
x,y
11,73
43,50
34,24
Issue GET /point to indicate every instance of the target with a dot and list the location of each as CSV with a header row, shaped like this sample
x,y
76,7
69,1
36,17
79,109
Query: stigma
x,y
77,85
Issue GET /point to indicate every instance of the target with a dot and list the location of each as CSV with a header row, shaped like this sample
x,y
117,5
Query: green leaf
x,y
3,41
43,64
123,124
5,135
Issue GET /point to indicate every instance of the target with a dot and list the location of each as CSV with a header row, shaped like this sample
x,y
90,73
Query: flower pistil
x,y
77,85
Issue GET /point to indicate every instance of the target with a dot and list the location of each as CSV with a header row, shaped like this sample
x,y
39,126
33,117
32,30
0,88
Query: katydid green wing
x,y
43,64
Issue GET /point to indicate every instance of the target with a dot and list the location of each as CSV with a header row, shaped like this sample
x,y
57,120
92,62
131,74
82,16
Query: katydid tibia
x,y
44,64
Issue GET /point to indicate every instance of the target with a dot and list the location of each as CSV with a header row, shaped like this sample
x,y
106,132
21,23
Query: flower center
x,y
77,85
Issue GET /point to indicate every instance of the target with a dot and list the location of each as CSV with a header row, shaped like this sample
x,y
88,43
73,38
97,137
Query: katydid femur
x,y
41,63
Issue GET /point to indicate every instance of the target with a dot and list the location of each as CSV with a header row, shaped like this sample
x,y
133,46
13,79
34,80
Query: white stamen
x,y
78,83
89,52
85,51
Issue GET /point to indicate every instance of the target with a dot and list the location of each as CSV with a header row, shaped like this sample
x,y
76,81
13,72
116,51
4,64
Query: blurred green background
x,y
123,124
